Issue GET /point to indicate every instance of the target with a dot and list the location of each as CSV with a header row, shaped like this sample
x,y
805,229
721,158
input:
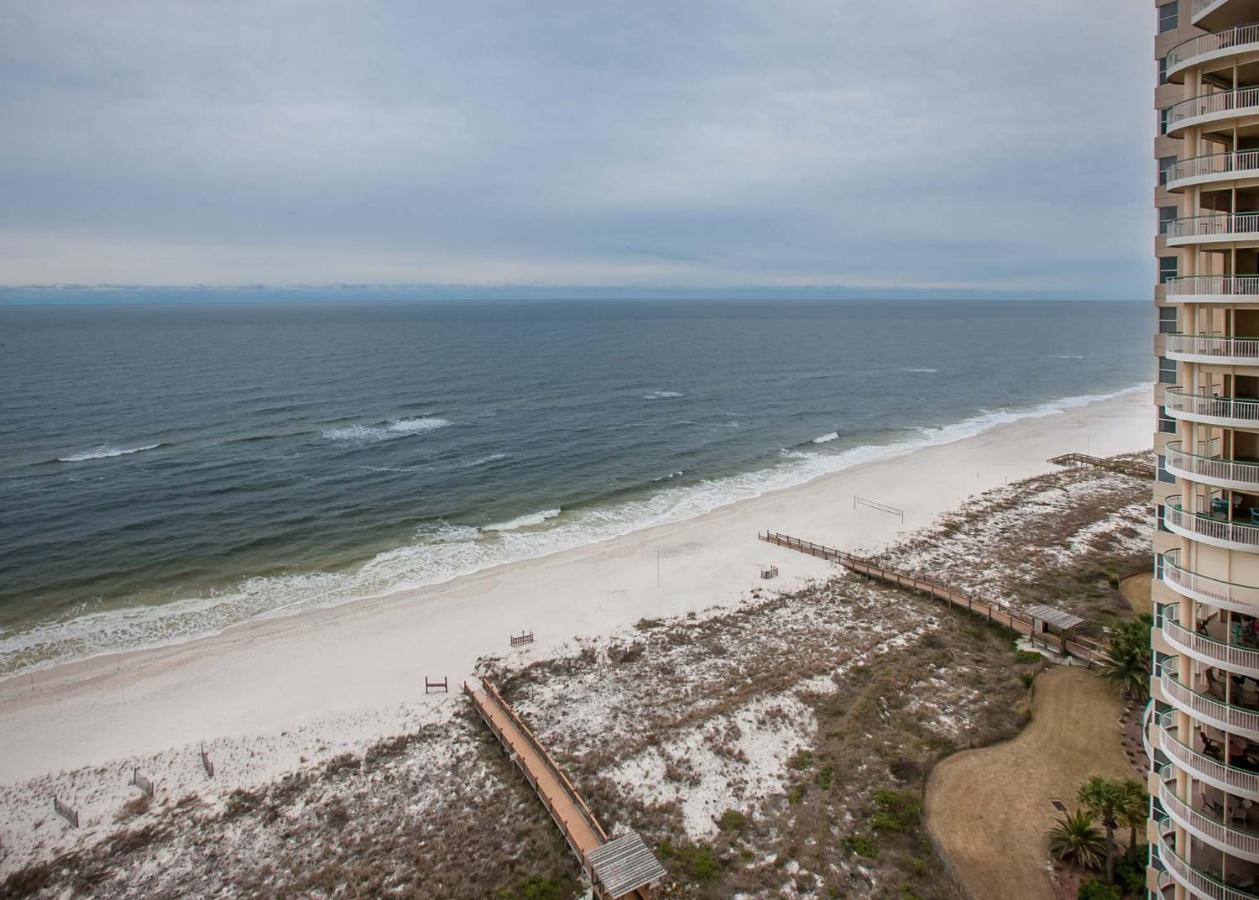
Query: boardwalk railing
x,y
1019,622
1133,467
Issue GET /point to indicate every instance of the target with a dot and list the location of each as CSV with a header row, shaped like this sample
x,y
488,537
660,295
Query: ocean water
x,y
169,470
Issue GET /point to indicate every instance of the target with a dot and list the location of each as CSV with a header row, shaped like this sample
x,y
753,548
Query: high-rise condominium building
x,y
1203,721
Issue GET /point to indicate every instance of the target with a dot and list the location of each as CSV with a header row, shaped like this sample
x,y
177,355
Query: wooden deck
x,y
581,829
1025,625
1133,467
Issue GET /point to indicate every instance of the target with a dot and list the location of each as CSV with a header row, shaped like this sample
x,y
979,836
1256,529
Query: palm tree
x,y
1129,658
1108,800
1074,840
1135,810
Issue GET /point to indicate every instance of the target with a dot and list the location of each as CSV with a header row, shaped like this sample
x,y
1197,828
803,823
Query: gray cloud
x,y
921,143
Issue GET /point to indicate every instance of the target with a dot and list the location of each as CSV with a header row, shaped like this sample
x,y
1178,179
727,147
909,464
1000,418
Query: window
x,y
1166,370
1164,163
1163,475
1168,17
1166,215
1164,119
1167,320
1161,510
1166,424
1162,70
1168,267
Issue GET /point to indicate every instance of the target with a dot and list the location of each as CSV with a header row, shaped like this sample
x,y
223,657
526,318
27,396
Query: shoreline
x,y
121,630
269,674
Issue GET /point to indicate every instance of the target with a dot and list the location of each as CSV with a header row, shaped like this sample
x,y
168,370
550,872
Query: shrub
x,y
801,760
540,889
825,777
1096,889
862,845
895,811
1075,840
697,860
1026,657
732,820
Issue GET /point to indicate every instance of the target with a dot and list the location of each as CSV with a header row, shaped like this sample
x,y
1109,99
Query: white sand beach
x,y
353,672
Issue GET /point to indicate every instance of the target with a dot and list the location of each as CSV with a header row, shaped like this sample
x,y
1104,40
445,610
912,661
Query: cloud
x,y
717,143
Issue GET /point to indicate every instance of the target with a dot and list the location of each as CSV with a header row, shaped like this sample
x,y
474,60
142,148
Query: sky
x,y
970,145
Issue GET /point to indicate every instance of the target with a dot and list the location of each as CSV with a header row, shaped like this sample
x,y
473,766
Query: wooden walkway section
x,y
1021,623
1133,467
618,867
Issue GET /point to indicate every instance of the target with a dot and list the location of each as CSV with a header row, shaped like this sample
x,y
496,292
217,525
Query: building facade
x,y
1202,725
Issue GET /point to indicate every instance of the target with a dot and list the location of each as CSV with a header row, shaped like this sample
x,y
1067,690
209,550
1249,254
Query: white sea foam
x,y
441,554
922,371
366,434
826,438
527,521
1067,356
106,453
662,395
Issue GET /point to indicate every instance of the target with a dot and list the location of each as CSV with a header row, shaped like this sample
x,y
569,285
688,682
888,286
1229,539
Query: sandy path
x,y
271,675
989,809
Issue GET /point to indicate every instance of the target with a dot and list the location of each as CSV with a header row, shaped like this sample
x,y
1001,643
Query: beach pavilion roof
x,y
624,864
1058,618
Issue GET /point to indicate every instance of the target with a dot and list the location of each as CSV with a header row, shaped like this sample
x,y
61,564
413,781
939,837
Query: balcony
x,y
1205,109
1197,882
1238,475
1217,167
1208,47
1214,227
1216,15
1213,529
1201,348
1234,841
1206,708
1238,658
1227,412
1231,778
1213,289
1211,591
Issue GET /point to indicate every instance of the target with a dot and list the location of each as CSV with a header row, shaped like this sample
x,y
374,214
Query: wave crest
x,y
370,434
104,452
526,521
663,395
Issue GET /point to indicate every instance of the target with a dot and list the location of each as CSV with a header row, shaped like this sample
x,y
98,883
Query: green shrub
x,y
1096,889
824,778
1026,657
540,889
802,760
697,860
863,845
895,811
732,820
796,794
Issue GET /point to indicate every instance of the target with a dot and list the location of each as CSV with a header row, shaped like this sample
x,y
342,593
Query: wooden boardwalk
x,y
1133,467
1021,623
618,867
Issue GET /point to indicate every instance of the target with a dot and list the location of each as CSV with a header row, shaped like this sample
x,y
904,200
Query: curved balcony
x,y
1208,529
1227,412
1224,351
1213,168
1237,659
1206,109
1211,591
1240,782
1212,470
1213,228
1226,717
1197,882
1235,842
1213,289
1211,47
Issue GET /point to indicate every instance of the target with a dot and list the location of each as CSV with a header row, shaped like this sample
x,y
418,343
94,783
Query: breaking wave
x,y
106,453
367,434
663,395
523,521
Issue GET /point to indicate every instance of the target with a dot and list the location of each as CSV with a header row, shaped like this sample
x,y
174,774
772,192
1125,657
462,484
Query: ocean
x,y
168,470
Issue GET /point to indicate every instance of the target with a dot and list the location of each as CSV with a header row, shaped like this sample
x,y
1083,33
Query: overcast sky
x,y
964,144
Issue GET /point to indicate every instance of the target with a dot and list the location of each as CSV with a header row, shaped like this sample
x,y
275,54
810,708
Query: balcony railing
x,y
1229,39
1195,881
1211,469
1237,781
1218,103
1215,225
1241,660
1226,287
1200,525
1211,591
1231,840
1228,410
1245,162
1215,712
1223,349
